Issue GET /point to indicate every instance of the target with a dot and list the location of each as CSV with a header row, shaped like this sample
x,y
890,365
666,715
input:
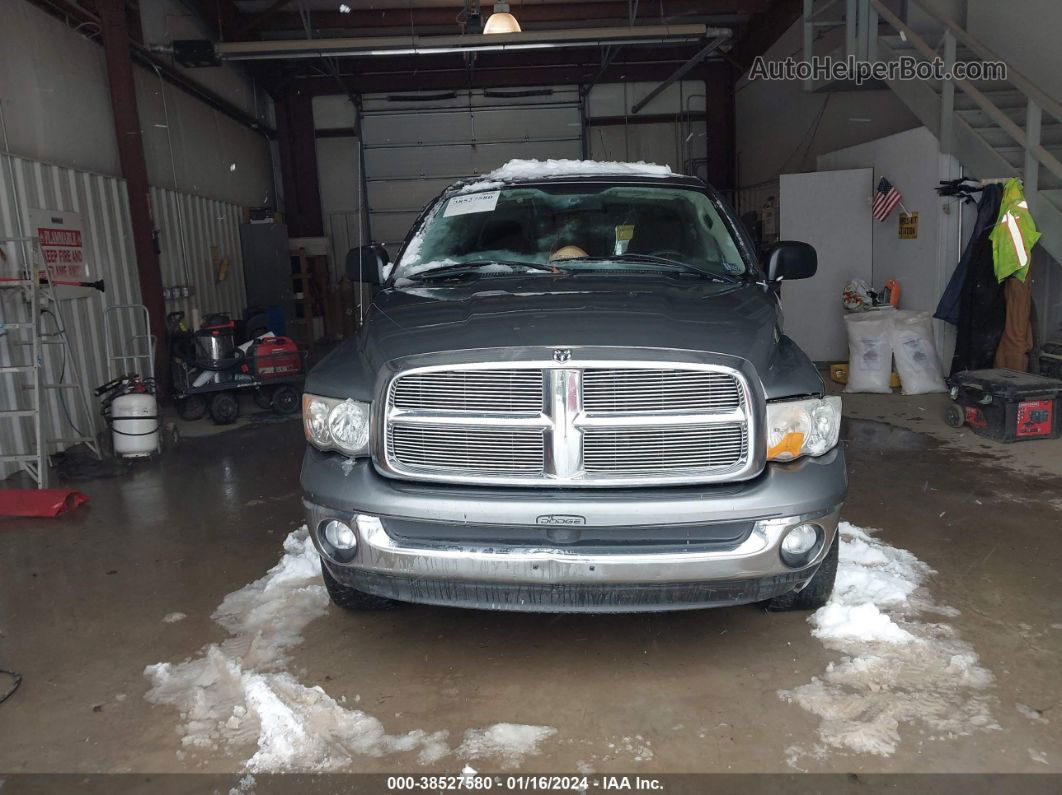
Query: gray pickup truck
x,y
572,393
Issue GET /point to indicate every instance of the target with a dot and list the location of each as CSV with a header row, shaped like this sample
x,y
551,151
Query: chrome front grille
x,y
633,390
568,424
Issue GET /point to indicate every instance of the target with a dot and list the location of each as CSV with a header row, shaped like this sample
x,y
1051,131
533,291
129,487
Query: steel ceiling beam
x,y
529,13
390,46
495,75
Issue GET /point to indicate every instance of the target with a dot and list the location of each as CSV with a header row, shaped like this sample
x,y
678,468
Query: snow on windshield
x,y
526,169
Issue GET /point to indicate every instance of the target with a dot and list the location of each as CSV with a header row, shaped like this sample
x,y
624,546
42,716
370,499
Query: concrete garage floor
x,y
82,600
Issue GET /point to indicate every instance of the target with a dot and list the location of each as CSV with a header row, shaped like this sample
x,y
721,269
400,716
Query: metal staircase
x,y
996,128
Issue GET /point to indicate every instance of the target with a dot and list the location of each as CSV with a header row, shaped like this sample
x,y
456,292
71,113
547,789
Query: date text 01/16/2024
x,y
473,782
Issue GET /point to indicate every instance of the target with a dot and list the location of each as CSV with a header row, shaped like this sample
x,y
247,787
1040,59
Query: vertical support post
x,y
115,33
851,27
809,38
298,163
363,183
872,33
863,30
719,125
1033,123
947,98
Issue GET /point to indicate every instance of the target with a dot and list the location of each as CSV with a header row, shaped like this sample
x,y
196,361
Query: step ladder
x,y
35,294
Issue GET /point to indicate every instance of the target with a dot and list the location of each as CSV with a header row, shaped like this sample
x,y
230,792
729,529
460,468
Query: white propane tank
x,y
135,425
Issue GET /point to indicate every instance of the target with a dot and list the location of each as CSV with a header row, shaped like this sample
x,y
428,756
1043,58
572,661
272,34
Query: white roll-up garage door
x,y
415,146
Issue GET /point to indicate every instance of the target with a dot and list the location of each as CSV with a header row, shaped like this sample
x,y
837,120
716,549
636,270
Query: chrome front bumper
x,y
755,557
556,577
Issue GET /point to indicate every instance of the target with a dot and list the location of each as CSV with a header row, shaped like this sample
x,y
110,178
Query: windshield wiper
x,y
471,267
662,261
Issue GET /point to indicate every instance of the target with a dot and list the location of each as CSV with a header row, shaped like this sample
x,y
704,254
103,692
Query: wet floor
x,y
82,602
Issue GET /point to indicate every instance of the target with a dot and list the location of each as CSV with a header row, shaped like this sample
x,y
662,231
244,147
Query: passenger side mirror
x,y
791,259
370,264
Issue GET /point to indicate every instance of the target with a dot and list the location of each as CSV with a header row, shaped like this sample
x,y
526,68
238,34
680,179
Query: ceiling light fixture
x,y
501,21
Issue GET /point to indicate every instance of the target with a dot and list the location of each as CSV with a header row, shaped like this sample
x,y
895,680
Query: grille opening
x,y
647,450
482,391
464,448
659,391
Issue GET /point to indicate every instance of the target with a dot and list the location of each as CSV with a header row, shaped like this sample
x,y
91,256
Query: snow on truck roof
x,y
531,169
520,170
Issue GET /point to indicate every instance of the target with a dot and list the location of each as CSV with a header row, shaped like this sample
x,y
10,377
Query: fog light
x,y
799,541
801,544
339,535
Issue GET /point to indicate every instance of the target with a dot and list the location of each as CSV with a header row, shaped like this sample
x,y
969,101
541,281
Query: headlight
x,y
332,424
802,427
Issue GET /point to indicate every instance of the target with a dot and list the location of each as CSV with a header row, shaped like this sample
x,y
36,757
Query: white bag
x,y
916,355
869,352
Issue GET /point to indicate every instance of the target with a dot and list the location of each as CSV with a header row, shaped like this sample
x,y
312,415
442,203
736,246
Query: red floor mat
x,y
39,502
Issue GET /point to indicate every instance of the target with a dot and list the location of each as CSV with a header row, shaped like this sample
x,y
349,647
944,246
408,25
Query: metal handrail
x,y
1035,96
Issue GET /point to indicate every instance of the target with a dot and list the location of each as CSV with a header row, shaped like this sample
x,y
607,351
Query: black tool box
x,y
1007,405
1051,358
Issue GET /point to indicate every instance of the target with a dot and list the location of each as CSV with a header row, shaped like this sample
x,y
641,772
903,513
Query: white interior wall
x,y
783,129
912,161
162,21
57,108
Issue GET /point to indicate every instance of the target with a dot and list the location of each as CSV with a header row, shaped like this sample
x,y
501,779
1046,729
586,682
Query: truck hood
x,y
738,320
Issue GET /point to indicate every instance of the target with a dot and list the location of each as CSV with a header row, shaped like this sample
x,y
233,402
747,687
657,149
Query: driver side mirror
x,y
370,264
791,259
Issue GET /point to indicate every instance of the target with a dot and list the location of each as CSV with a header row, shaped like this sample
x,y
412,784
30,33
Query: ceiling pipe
x,y
679,73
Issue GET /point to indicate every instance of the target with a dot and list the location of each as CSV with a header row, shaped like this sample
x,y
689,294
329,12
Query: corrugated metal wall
x,y
190,227
103,204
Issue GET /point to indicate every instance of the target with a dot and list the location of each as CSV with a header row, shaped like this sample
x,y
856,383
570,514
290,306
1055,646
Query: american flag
x,y
885,200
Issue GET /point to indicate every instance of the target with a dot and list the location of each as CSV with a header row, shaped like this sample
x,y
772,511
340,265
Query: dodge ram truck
x,y
573,393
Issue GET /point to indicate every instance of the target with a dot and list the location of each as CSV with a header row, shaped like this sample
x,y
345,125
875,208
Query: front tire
x,y
351,598
817,592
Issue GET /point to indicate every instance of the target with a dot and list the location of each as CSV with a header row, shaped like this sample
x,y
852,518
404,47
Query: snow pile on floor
x,y
530,169
510,742
896,670
235,693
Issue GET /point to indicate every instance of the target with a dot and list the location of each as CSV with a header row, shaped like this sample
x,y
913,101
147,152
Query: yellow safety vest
x,y
1014,234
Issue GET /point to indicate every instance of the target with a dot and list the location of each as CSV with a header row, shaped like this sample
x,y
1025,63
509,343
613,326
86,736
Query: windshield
x,y
628,227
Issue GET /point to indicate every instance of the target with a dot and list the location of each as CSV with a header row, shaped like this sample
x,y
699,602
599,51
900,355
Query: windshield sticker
x,y
472,203
732,267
